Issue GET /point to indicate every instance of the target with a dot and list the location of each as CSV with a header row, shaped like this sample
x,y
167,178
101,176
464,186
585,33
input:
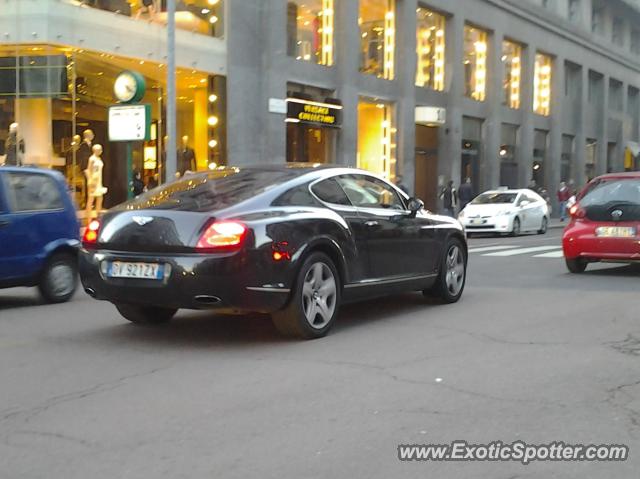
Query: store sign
x,y
314,113
130,123
429,115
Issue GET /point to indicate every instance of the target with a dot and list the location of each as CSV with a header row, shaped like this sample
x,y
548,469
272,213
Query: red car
x,y
605,222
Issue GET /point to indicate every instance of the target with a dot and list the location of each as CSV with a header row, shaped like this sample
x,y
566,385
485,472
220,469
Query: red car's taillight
x,y
90,236
222,235
577,212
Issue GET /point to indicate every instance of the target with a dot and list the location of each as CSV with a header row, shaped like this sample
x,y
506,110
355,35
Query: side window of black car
x,y
330,191
368,192
33,192
298,196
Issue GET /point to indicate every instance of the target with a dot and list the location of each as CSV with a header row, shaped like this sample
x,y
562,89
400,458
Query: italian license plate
x,y
476,221
121,269
615,232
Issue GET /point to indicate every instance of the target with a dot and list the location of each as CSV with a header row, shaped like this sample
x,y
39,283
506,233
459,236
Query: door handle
x,y
371,224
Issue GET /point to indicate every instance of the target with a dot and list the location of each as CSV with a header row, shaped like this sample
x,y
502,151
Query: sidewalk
x,y
555,223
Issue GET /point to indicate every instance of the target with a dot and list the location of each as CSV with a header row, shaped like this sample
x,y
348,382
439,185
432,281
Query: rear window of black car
x,y
330,191
210,191
612,191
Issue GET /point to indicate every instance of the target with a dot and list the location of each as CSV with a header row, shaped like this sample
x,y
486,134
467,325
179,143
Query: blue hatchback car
x,y
39,233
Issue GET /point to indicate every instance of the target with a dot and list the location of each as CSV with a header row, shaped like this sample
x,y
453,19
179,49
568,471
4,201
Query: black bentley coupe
x,y
295,241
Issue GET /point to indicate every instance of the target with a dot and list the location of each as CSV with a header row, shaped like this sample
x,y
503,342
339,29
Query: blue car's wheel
x,y
59,279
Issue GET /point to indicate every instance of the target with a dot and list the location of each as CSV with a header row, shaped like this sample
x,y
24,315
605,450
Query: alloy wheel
x,y
319,295
455,271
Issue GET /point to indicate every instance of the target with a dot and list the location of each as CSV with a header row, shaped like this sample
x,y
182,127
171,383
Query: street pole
x,y
171,148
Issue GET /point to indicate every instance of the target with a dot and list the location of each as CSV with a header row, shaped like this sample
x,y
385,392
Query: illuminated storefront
x,y
310,31
430,36
475,63
205,17
542,85
377,37
512,61
63,91
313,122
377,138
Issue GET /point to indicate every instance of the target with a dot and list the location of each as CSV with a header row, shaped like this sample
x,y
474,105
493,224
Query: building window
x,y
566,159
310,30
507,153
616,100
430,49
475,63
377,138
597,20
205,17
635,41
595,92
378,36
512,61
542,85
574,11
617,32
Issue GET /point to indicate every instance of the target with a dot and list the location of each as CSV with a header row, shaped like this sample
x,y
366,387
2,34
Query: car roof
x,y
507,191
621,175
30,169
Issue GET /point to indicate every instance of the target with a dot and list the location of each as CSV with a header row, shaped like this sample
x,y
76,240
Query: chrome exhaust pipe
x,y
207,300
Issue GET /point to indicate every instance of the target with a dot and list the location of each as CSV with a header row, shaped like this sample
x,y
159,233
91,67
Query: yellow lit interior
x,y
327,32
430,49
542,85
512,59
475,60
314,30
376,138
377,31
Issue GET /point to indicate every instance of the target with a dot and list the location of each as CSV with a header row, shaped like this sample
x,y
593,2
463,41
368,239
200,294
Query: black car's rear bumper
x,y
194,281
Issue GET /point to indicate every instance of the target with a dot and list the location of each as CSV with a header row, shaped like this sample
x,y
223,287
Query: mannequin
x,y
14,147
148,6
186,157
95,190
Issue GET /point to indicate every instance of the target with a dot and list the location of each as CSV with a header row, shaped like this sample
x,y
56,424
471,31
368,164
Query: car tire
x,y
145,314
453,273
59,278
576,265
515,231
315,300
544,226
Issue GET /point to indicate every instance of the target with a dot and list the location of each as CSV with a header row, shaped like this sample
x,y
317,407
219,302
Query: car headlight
x,y
504,213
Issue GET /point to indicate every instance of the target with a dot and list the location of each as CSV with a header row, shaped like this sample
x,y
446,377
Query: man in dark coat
x,y
465,193
186,157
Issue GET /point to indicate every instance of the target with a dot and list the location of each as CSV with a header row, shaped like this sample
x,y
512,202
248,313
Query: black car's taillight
x,y
222,235
90,237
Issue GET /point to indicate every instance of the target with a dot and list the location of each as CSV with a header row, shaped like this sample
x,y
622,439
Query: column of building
x,y
524,151
490,172
406,62
554,155
450,137
580,141
347,39
603,129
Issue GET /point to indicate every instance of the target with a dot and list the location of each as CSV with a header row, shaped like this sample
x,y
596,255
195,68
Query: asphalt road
x,y
530,353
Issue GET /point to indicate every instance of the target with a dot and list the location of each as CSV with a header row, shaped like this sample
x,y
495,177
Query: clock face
x,y
125,87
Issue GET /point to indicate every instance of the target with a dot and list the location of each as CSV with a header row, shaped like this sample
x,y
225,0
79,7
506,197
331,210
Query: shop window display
x,y
310,30
60,125
377,32
199,16
430,49
376,138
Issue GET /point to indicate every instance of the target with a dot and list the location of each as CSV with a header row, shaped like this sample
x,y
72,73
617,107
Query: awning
x,y
634,147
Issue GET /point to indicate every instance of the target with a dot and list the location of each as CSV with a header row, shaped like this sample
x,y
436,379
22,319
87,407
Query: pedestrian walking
x,y
138,184
465,193
564,193
449,197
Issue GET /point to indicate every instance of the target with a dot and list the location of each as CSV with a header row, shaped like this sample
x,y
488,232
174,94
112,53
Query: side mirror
x,y
415,205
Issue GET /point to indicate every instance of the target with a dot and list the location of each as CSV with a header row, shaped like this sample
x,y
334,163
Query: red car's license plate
x,y
615,232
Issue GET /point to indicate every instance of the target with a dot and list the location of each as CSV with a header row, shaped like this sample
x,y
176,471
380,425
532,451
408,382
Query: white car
x,y
506,211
